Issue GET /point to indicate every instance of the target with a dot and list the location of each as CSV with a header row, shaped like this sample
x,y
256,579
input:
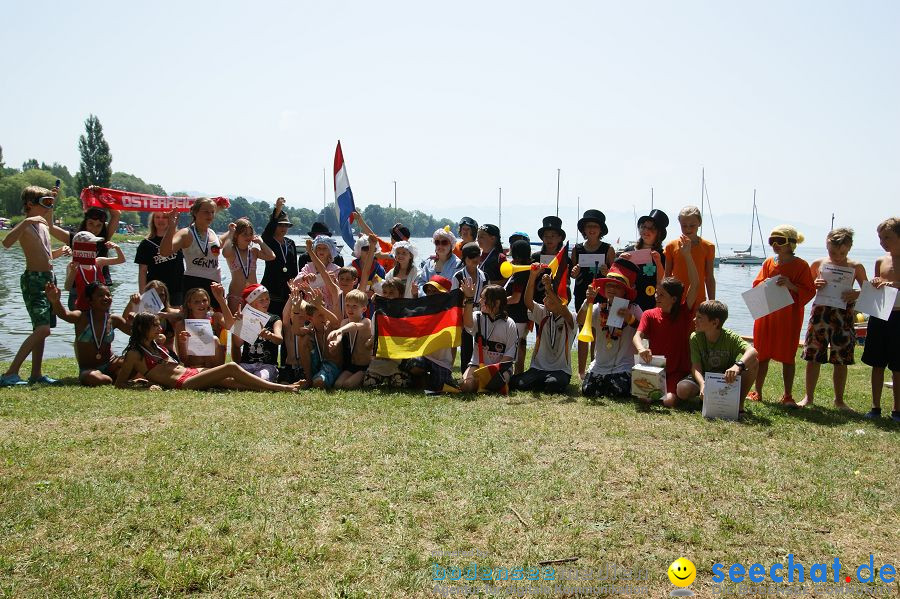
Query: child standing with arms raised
x,y
776,335
830,326
882,350
703,253
33,235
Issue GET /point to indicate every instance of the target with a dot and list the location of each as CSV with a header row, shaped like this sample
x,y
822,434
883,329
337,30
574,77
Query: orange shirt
x,y
701,253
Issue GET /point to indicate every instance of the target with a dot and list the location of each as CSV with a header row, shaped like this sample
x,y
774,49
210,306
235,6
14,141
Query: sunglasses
x,y
778,240
441,242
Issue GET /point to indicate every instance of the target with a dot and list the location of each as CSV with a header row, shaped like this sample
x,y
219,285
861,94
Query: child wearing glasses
x,y
33,235
776,335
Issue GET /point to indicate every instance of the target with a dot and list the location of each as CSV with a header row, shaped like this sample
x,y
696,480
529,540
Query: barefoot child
x,y
241,248
776,335
495,336
353,338
882,349
703,253
33,235
551,360
145,357
668,326
610,371
197,305
94,333
717,349
259,358
168,316
830,326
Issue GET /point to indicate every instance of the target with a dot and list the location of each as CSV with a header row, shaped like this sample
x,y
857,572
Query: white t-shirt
x,y
554,340
499,339
619,356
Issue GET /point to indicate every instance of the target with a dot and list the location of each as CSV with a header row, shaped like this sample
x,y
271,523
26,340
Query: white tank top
x,y
201,258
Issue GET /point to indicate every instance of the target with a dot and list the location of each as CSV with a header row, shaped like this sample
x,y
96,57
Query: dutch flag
x,y
343,197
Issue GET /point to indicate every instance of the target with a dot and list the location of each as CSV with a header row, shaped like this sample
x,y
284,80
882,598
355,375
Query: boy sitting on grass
x,y
716,349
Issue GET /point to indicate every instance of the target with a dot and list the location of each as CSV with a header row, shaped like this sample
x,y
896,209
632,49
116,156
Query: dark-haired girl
x,y
668,326
93,333
496,336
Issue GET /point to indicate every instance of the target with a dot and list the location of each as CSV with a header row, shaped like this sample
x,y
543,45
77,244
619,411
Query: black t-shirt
x,y
491,265
539,291
168,269
261,351
588,274
518,282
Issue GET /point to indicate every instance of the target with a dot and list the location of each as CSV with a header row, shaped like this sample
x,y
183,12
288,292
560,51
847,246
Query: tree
x,y
95,156
30,165
11,188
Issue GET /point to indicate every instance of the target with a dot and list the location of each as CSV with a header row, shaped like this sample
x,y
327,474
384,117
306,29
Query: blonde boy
x,y
703,253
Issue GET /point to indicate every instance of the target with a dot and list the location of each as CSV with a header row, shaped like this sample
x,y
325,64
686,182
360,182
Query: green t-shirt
x,y
718,356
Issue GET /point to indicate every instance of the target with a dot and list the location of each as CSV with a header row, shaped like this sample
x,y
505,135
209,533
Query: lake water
x,y
15,325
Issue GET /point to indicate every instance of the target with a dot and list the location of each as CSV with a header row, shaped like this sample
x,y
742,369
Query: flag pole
x,y
500,208
557,192
577,212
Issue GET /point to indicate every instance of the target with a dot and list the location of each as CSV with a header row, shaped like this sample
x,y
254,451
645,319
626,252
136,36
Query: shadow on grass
x,y
825,416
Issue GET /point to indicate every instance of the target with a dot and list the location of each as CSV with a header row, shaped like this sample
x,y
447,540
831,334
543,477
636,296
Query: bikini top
x,y
152,360
87,335
243,260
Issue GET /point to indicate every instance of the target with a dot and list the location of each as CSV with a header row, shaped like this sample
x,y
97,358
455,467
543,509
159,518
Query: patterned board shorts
x,y
830,327
38,306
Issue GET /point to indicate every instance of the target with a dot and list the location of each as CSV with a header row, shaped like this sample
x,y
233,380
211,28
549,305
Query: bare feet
x,y
806,401
840,405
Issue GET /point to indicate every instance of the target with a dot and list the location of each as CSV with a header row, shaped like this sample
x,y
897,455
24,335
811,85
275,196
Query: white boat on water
x,y
746,257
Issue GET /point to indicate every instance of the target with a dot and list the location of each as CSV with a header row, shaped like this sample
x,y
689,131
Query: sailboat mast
x,y
702,192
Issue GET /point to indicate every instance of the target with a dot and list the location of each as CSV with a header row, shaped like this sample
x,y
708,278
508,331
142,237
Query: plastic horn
x,y
587,331
508,268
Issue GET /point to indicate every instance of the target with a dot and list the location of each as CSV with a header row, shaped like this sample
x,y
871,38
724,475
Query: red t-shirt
x,y
670,337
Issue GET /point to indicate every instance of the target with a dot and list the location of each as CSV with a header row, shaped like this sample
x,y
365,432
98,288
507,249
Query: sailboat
x,y
746,257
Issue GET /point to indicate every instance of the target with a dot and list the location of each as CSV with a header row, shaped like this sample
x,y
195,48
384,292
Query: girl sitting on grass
x,y
93,333
197,306
145,357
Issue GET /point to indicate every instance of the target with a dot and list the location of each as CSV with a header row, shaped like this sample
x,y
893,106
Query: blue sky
x,y
454,101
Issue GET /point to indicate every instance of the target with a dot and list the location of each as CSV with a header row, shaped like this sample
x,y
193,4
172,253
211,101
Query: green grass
x,y
108,493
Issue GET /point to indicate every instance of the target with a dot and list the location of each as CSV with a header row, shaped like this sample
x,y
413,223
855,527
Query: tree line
x,y
96,169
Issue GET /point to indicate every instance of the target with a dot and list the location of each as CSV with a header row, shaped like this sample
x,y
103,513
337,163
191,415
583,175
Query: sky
x,y
456,101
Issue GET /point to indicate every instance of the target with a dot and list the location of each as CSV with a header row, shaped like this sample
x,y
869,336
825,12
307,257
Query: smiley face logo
x,y
682,572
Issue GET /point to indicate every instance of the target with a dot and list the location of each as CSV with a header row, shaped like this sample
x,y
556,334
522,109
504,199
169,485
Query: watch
x,y
740,364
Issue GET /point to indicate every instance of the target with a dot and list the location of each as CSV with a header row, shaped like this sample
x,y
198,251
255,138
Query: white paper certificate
x,y
838,279
721,399
249,325
877,303
614,321
767,297
202,341
591,260
150,302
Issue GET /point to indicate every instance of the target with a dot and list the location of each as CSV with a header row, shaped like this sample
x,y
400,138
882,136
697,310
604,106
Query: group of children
x,y
651,300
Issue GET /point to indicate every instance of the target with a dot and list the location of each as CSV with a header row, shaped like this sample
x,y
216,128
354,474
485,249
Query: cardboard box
x,y
648,381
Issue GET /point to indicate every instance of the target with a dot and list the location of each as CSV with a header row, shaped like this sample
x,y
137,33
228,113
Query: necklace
x,y
246,270
98,341
203,248
282,248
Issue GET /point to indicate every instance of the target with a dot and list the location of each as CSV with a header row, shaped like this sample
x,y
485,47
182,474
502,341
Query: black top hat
x,y
318,228
593,216
659,218
552,223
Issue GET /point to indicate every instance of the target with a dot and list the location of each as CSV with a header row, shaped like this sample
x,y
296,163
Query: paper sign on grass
x,y
202,341
721,399
614,321
876,302
767,297
838,279
250,324
150,302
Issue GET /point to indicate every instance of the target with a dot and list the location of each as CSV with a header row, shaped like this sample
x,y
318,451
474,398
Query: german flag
x,y
414,327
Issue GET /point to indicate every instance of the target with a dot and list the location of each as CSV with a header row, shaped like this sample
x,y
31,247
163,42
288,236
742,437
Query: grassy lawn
x,y
126,493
